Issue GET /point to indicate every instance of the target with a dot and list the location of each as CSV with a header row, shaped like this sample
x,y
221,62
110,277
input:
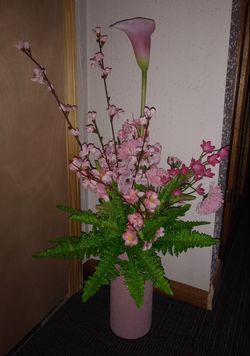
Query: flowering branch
x,y
41,77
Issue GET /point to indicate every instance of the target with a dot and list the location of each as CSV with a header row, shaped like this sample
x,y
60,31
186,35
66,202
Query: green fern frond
x,y
151,263
104,273
114,210
176,242
88,217
76,247
134,279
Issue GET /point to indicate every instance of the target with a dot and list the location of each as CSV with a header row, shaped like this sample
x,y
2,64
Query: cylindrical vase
x,y
126,320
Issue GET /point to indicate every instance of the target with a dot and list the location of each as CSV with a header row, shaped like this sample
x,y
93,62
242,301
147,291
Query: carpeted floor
x,y
178,329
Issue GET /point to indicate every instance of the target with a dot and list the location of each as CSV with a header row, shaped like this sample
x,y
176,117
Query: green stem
x,y
143,91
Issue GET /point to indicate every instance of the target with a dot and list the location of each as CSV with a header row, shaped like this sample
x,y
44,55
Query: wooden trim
x,y
75,267
182,292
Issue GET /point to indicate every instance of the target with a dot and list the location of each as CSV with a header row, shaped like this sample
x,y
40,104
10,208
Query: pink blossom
x,y
105,72
147,246
174,162
67,107
136,220
74,132
114,111
184,169
131,197
151,201
92,116
176,192
197,168
207,147
149,112
200,190
38,76
101,192
173,172
97,30
103,39
130,237
139,32
212,201
90,128
208,173
157,176
223,152
159,233
213,159
97,59
22,45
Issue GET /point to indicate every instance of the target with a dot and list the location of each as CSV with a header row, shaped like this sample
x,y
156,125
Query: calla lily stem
x,y
143,91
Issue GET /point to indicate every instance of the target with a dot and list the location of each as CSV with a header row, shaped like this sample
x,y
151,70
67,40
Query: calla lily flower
x,y
138,30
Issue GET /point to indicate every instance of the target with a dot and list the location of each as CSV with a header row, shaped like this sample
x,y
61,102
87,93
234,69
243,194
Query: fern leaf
x,y
104,273
180,241
151,264
76,247
134,279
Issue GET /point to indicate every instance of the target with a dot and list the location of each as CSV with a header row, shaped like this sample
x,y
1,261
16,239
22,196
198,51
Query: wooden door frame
x,y
239,135
74,266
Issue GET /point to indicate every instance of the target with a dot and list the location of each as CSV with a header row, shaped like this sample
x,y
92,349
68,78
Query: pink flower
x,y
149,112
147,246
114,111
174,162
200,190
139,32
223,152
197,168
101,192
74,132
151,201
136,220
106,71
92,116
131,197
207,147
212,201
176,192
213,159
159,233
157,176
184,169
23,45
97,30
38,76
130,238
67,107
96,61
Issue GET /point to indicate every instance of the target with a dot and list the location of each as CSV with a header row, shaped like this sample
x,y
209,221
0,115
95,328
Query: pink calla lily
x,y
138,30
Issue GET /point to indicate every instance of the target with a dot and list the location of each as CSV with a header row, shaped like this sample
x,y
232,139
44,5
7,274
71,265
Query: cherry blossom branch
x,y
101,40
41,77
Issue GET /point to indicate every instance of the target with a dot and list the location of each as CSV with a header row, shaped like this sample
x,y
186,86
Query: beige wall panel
x,y
33,173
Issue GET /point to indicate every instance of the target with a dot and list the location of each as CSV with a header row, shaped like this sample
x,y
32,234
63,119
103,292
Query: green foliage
x,y
105,240
180,237
150,262
134,277
104,273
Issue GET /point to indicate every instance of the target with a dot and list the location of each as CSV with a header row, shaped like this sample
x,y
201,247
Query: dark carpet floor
x,y
178,329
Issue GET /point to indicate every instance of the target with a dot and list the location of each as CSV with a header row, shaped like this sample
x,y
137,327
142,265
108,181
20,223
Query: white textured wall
x,y
186,84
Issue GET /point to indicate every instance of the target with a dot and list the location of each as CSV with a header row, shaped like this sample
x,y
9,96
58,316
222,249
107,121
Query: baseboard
x,y
182,292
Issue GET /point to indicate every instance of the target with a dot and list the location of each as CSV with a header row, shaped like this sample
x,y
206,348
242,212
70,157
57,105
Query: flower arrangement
x,y
140,204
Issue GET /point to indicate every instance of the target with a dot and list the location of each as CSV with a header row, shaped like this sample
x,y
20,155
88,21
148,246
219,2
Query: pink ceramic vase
x,y
126,320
